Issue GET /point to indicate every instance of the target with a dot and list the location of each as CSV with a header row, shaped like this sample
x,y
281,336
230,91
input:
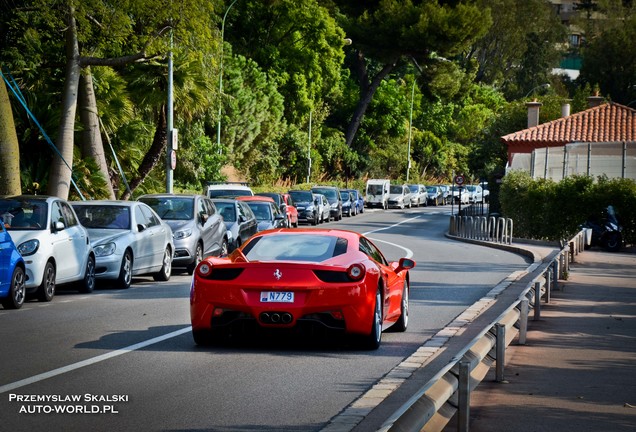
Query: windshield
x,y
329,193
262,211
217,193
396,189
344,196
431,189
227,210
103,216
23,214
374,189
295,247
171,208
413,188
301,196
471,188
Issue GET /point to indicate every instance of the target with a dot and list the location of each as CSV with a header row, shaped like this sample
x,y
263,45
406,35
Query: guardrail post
x,y
463,397
548,285
555,275
537,301
523,321
501,352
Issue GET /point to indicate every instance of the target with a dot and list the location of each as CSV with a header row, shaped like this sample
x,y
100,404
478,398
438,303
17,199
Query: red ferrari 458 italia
x,y
286,279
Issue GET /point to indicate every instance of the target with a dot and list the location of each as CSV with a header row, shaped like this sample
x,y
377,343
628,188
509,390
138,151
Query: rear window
x,y
295,247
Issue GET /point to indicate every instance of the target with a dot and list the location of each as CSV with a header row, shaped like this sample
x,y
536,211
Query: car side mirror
x,y
204,217
283,208
241,219
58,226
141,227
404,264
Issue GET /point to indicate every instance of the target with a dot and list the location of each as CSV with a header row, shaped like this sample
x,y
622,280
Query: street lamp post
x,y
169,121
218,127
408,153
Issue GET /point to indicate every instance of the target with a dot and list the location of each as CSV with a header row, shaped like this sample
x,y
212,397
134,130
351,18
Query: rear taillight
x,y
356,272
204,269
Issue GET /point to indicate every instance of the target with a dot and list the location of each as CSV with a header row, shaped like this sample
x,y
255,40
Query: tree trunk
x,y
154,156
60,175
367,90
9,147
92,144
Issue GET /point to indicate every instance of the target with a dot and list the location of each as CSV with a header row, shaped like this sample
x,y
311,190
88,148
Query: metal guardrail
x,y
487,228
448,392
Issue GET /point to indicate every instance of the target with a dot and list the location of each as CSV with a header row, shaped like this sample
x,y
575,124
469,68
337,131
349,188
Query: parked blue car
x,y
12,288
358,201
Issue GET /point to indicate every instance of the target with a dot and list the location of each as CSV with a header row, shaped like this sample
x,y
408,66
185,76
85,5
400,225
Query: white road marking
x,y
409,252
59,371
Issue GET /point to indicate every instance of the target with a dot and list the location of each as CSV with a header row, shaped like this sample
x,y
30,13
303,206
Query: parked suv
x,y
333,196
197,228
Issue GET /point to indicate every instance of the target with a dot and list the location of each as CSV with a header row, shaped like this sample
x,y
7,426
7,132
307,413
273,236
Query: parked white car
x,y
399,196
418,195
55,247
475,193
460,194
129,239
324,209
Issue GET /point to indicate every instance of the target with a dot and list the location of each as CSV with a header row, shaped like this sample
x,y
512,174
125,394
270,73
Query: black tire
x,y
125,271
198,256
372,340
613,242
202,337
17,291
403,322
166,267
87,285
46,290
314,221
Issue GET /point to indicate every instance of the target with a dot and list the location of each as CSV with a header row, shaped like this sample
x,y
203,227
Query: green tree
x,y
392,31
609,57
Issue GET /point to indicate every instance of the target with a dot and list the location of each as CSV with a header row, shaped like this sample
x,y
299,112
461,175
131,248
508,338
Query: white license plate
x,y
277,297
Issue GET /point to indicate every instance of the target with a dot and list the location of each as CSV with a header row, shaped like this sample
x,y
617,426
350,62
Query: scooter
x,y
607,232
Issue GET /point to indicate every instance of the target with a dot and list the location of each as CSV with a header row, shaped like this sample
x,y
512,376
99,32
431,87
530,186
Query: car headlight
x,y
300,208
105,249
181,234
229,236
29,247
334,205
310,208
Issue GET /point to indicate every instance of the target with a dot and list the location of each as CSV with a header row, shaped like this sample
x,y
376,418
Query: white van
x,y
377,193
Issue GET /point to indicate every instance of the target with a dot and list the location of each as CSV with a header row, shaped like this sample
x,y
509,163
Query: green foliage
x,y
544,209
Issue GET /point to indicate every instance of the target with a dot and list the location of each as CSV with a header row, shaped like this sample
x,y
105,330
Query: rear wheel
x,y
125,271
613,242
202,337
198,256
166,267
402,323
87,285
17,291
46,290
373,339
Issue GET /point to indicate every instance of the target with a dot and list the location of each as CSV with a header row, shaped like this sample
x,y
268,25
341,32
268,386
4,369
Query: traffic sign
x,y
459,179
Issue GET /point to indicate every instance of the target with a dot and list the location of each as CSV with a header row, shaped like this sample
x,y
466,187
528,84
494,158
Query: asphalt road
x,y
127,356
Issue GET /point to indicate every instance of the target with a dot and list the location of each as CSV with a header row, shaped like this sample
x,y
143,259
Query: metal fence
x,y
448,393
613,159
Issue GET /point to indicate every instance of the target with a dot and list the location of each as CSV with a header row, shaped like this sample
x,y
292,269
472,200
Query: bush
x,y
548,210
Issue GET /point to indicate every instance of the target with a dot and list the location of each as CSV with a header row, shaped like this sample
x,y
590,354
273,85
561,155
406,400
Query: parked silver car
x,y
54,245
197,228
324,209
128,238
418,195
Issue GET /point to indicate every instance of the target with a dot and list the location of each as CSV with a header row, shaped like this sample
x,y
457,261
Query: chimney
x,y
565,110
533,113
594,101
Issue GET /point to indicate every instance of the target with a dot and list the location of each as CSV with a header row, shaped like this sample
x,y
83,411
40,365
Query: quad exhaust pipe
x,y
276,317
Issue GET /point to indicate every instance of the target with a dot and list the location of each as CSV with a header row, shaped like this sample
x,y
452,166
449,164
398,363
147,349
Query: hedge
x,y
548,210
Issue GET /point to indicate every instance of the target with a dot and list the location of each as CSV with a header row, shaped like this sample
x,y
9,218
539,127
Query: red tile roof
x,y
609,122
